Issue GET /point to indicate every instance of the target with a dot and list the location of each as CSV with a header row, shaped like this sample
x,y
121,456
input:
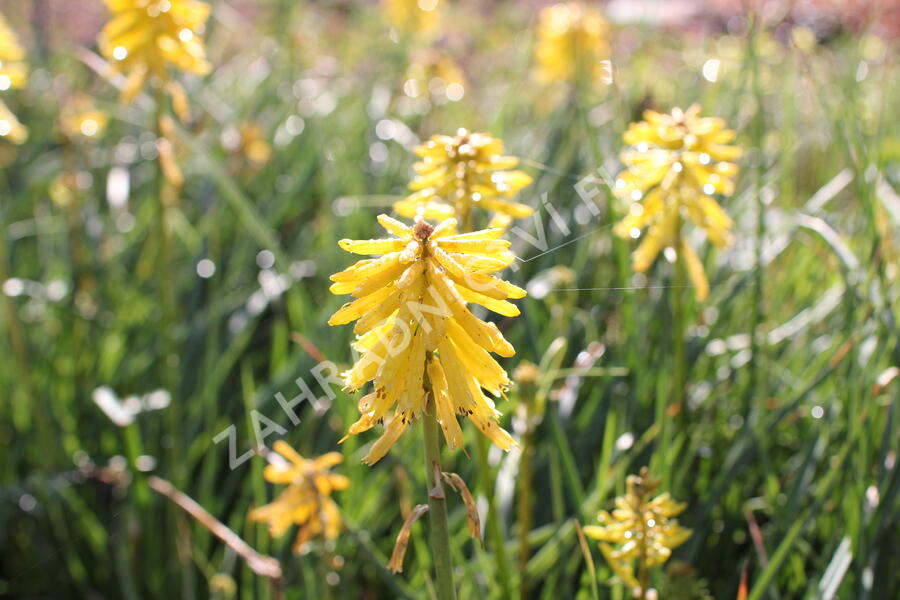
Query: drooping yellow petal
x,y
354,310
444,406
695,271
390,436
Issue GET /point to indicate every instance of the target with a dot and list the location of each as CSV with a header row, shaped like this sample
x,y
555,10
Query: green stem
x,y
758,311
525,491
493,524
679,363
678,349
168,370
437,506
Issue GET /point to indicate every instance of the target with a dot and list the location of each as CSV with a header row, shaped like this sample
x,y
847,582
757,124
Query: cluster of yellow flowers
x,y
413,322
412,17
306,501
144,37
643,531
572,43
676,165
420,345
457,173
13,74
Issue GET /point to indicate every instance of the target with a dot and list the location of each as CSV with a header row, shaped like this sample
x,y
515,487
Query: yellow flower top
x,y
306,501
416,331
13,74
459,172
144,37
81,119
432,73
412,16
641,530
572,42
13,69
677,163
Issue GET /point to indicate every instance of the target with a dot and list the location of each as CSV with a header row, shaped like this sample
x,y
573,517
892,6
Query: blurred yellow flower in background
x,y
13,74
247,144
306,501
412,16
640,531
676,164
459,172
434,73
144,37
414,326
81,119
571,43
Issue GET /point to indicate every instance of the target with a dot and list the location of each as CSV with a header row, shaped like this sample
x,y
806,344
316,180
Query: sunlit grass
x,y
784,450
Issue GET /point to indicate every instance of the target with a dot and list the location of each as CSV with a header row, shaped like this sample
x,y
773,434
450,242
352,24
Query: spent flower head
x,y
306,501
416,331
13,74
677,164
143,38
457,173
641,531
572,43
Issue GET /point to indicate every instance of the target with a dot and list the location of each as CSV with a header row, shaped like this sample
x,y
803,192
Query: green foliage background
x,y
746,453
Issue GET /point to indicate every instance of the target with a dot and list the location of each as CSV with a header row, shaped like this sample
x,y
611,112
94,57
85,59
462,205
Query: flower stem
x,y
437,503
168,371
525,496
486,481
757,374
676,398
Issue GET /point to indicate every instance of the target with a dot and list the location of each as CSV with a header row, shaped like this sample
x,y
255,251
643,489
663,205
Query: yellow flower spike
x,y
306,501
458,172
572,39
413,17
641,532
143,38
413,321
13,75
13,69
676,165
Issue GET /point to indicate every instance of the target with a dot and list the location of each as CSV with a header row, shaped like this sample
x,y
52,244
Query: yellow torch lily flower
x,y
306,501
572,43
677,163
640,531
416,331
144,37
13,74
462,171
412,16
